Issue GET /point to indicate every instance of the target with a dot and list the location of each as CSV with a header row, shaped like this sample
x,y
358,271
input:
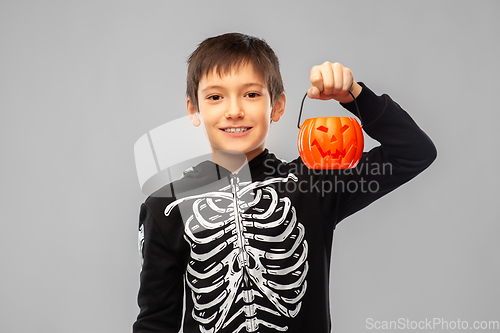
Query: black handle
x,y
302,105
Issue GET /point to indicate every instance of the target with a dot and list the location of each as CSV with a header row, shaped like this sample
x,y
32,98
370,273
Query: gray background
x,y
81,81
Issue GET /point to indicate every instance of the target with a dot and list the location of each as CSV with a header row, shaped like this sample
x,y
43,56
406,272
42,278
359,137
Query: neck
x,y
231,160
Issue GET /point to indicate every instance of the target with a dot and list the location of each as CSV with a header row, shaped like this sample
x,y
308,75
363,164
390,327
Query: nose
x,y
234,111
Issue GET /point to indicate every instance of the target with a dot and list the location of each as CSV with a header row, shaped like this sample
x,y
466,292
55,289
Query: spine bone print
x,y
248,262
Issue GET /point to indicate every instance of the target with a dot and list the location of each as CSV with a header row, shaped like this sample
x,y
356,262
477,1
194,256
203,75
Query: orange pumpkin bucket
x,y
330,142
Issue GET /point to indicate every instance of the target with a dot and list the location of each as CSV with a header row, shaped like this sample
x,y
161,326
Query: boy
x,y
252,250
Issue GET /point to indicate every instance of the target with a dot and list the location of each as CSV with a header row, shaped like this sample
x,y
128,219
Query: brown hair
x,y
224,52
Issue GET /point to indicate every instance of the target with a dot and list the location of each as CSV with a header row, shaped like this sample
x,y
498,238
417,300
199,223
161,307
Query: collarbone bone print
x,y
248,261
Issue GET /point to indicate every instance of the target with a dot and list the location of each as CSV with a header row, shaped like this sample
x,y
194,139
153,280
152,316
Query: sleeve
x,y
404,152
161,290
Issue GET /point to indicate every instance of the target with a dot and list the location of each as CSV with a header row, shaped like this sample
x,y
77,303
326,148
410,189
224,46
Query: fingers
x,y
316,79
330,80
348,81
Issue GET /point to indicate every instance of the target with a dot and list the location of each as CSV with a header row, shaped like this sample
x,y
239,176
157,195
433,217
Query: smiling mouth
x,y
236,130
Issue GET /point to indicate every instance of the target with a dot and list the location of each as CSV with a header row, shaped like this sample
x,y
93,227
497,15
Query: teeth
x,y
236,130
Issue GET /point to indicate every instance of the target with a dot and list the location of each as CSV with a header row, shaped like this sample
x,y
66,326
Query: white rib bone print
x,y
248,256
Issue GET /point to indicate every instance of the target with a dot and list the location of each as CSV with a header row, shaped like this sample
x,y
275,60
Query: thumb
x,y
313,92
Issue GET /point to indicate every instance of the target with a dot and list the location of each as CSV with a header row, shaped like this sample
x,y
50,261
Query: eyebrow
x,y
243,86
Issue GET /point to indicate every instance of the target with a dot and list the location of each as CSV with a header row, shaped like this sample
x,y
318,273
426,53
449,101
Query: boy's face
x,y
236,110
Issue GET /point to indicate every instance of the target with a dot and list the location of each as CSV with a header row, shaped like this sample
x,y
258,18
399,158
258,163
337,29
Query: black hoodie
x,y
251,251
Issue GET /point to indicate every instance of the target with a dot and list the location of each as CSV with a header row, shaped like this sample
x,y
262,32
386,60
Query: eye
x,y
214,97
253,95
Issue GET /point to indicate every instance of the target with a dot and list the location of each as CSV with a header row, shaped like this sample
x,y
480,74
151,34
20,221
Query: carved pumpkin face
x,y
330,142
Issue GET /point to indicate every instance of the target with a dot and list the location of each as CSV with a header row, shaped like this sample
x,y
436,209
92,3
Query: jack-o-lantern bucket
x,y
330,142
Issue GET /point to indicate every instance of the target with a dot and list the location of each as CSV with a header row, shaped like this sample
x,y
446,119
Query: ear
x,y
278,108
193,113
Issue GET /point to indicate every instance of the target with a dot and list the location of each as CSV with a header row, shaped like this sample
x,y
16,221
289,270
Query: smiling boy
x,y
236,110
252,250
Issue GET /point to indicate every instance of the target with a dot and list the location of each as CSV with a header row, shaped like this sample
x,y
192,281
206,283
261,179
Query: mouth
x,y
235,129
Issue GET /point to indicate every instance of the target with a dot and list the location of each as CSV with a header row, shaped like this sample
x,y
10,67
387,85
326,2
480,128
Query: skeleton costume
x,y
251,252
